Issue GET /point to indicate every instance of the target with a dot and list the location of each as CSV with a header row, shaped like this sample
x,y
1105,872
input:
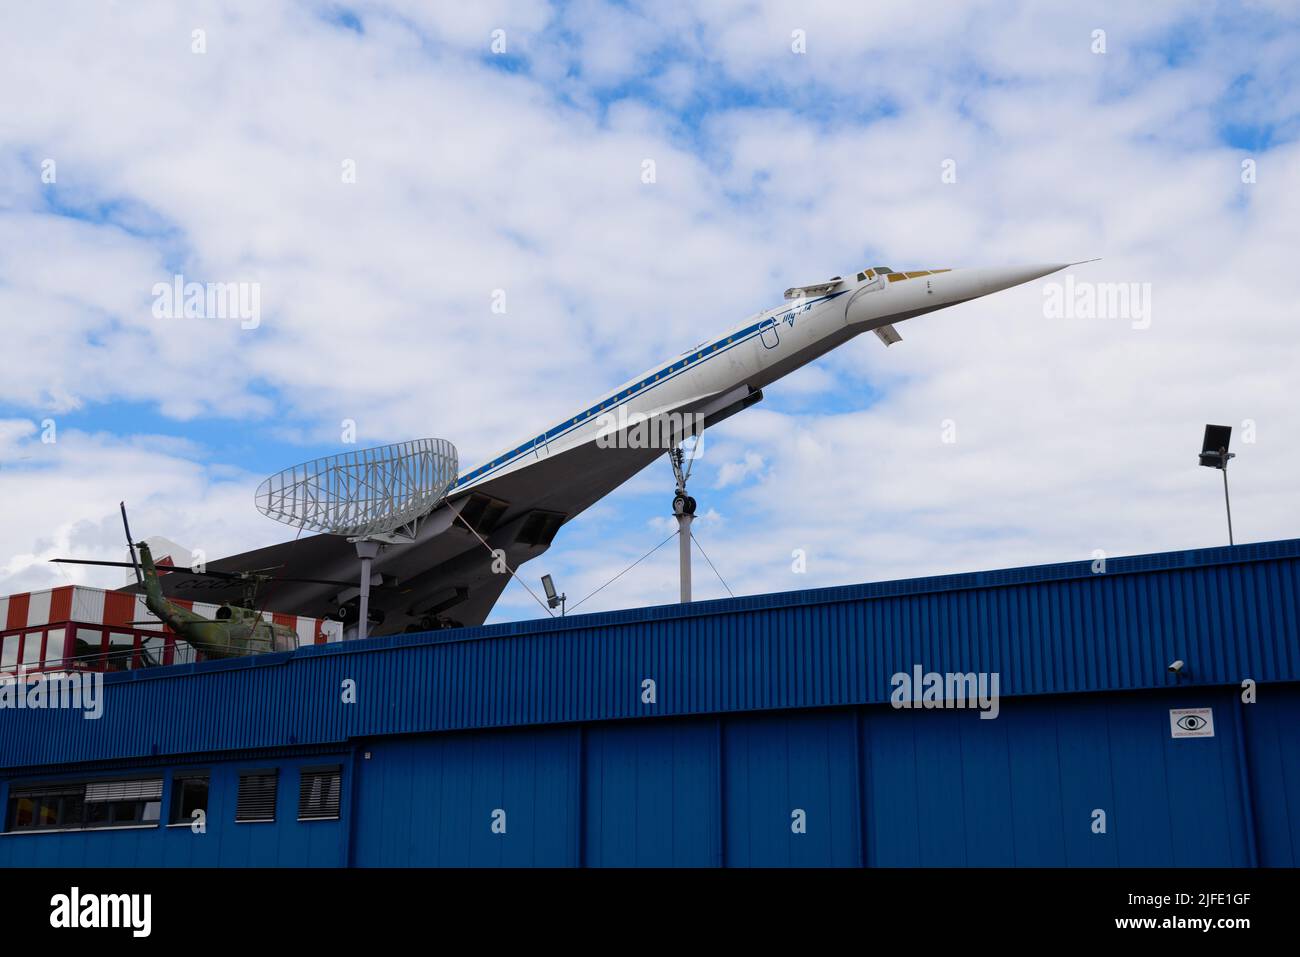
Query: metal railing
x,y
113,659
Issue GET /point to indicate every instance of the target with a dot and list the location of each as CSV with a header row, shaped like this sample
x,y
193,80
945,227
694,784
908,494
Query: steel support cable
x,y
711,565
513,575
630,567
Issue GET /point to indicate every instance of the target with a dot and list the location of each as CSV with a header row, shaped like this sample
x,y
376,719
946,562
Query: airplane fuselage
x,y
759,351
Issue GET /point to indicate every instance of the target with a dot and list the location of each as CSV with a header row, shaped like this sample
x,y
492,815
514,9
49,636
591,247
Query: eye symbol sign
x,y
1191,722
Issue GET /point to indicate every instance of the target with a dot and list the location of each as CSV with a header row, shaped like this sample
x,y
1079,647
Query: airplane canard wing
x,y
450,570
816,289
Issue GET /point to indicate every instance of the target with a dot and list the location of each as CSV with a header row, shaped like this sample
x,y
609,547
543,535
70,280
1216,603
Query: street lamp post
x,y
1215,455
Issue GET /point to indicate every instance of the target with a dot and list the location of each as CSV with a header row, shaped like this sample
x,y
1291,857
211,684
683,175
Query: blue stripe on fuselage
x,y
671,371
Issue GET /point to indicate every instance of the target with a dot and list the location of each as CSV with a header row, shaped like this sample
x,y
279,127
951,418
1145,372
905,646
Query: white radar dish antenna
x,y
372,496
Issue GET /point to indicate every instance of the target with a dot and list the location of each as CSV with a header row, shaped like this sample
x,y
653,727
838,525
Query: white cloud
x,y
730,473
772,169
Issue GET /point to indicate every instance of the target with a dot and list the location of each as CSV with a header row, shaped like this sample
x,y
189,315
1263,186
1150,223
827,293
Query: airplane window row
x,y
700,352
584,415
888,272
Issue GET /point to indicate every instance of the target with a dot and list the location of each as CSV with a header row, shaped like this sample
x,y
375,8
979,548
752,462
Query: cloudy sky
x,y
380,169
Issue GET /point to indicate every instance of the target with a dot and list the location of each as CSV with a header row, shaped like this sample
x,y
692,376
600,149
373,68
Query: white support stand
x,y
684,553
684,512
366,551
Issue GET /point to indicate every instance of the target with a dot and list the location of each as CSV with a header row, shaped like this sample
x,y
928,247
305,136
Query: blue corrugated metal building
x,y
749,731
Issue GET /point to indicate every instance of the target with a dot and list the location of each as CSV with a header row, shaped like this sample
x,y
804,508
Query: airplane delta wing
x,y
450,572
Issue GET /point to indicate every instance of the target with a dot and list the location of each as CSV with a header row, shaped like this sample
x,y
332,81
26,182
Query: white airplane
x,y
518,500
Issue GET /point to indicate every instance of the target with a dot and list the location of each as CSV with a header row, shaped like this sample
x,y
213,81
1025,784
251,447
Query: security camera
x,y
1176,667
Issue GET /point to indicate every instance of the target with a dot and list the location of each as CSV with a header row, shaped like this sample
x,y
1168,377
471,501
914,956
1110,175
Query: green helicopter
x,y
237,630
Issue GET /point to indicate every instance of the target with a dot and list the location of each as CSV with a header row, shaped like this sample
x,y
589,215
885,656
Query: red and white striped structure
x,y
56,627
98,606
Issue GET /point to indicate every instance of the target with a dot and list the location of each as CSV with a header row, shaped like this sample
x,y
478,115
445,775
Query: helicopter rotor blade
x,y
162,569
227,576
264,575
130,543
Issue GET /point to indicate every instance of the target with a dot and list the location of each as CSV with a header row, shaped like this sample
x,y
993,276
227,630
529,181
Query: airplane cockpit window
x,y
882,269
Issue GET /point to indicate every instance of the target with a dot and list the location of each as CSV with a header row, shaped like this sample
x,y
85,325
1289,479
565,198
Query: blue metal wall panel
x,y
651,795
431,801
1083,759
938,783
1272,732
780,766
1038,795
946,788
988,802
875,785
1231,613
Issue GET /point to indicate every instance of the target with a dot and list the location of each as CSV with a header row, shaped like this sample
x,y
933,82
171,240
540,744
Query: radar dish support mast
x,y
371,497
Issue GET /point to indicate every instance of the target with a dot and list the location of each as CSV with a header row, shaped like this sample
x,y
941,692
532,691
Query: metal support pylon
x,y
684,512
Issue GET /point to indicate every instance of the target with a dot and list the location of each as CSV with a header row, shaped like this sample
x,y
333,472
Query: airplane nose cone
x,y
961,285
926,291
992,279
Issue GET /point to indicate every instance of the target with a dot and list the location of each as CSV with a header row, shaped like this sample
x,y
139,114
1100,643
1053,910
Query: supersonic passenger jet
x,y
519,499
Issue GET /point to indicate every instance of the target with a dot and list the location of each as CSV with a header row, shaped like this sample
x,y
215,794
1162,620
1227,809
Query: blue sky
x,y
478,171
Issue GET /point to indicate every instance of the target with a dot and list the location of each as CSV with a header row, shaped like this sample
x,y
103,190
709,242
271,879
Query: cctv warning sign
x,y
1191,722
